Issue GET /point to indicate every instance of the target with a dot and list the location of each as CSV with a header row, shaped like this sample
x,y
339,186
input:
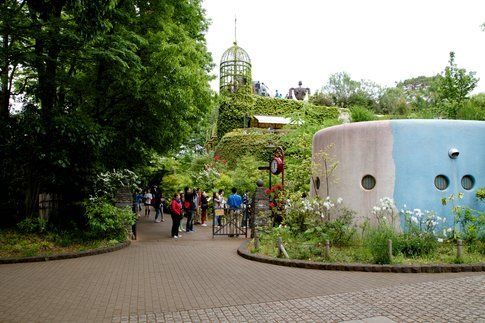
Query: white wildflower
x,y
440,240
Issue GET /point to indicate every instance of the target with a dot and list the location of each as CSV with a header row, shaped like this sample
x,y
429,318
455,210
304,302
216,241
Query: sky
x,y
384,41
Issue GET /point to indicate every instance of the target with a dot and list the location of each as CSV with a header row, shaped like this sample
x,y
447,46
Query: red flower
x,y
267,191
272,204
216,157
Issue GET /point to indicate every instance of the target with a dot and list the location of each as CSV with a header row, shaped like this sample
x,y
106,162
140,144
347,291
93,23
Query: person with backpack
x,y
189,208
176,213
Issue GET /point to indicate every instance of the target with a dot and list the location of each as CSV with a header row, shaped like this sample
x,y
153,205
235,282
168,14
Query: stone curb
x,y
66,255
435,268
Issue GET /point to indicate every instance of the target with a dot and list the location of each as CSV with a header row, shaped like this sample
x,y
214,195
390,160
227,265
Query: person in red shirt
x,y
176,212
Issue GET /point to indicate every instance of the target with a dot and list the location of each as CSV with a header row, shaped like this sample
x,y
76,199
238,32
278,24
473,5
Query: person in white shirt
x,y
148,201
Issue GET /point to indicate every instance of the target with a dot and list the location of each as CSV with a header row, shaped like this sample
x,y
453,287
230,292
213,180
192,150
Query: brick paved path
x,y
201,279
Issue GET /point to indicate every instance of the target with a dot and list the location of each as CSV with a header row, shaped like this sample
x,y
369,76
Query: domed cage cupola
x,y
235,70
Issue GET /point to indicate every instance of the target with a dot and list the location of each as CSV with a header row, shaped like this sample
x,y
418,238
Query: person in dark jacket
x,y
189,208
204,205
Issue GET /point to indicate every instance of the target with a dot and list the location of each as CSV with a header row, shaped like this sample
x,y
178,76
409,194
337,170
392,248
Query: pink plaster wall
x,y
360,148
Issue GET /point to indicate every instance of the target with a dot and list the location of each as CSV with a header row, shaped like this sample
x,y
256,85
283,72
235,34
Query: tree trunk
x,y
5,93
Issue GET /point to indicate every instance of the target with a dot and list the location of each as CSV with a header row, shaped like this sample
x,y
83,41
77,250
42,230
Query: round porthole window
x,y
368,182
467,182
317,183
441,182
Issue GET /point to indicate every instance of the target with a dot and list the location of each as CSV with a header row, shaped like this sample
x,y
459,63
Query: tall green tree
x,y
453,87
419,91
105,83
346,92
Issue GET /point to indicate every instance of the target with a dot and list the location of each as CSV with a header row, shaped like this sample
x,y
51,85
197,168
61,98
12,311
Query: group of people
x,y
190,203
193,204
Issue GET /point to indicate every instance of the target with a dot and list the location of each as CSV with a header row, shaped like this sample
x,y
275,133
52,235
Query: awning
x,y
272,120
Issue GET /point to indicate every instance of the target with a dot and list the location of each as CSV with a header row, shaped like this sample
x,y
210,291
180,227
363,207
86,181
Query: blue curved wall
x,y
420,153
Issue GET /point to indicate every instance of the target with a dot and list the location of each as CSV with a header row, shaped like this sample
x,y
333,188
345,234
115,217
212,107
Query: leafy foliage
x,y
237,109
358,114
32,225
376,242
106,221
242,142
481,193
453,87
103,85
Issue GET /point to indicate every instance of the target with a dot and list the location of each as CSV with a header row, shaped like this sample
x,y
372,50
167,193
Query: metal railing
x,y
230,222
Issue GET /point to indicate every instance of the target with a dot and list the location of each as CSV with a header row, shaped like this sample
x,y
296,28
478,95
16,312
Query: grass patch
x,y
304,250
14,244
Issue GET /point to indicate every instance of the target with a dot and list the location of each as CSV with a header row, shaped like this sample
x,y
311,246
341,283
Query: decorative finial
x,y
235,29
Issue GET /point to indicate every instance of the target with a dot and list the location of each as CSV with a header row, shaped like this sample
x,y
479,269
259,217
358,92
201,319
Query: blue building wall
x,y
420,153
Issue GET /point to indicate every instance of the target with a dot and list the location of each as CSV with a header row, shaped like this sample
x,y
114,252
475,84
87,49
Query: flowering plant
x,y
277,197
384,211
419,222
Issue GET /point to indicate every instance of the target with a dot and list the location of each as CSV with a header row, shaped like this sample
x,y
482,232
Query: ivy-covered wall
x,y
240,142
236,110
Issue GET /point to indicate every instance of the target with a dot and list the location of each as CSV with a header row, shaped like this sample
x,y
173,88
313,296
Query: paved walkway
x,y
201,279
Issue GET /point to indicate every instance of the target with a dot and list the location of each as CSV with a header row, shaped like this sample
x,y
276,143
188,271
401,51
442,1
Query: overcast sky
x,y
380,40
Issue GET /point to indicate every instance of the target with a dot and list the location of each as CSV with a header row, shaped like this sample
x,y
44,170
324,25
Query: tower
x,y
235,69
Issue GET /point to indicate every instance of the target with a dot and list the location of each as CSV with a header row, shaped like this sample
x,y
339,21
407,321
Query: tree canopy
x,y
97,85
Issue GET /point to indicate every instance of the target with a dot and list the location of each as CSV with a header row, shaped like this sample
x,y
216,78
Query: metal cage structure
x,y
235,72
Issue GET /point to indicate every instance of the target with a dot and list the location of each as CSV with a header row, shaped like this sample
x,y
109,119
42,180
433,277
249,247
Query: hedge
x,y
242,142
236,110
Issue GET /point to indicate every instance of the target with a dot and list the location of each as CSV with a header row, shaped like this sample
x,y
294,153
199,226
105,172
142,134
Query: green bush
x,y
236,110
413,245
240,142
481,194
33,225
106,221
376,242
358,114
340,231
473,109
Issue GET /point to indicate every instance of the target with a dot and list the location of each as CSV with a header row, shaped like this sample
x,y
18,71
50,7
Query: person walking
x,y
148,201
176,213
157,205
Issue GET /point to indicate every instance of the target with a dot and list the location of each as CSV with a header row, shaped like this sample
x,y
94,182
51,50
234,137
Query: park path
x,y
201,279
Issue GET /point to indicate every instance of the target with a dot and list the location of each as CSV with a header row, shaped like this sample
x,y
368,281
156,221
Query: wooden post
x,y
389,249
327,249
256,242
459,249
281,249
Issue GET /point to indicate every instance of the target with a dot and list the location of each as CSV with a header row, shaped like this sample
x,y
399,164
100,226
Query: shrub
x,y
106,221
236,110
376,242
107,184
416,245
242,142
33,225
481,194
358,114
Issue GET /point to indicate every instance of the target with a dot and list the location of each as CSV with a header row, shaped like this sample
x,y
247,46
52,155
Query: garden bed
x,y
21,247
246,250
